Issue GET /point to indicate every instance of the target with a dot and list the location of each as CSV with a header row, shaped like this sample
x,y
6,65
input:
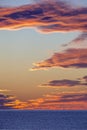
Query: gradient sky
x,y
19,49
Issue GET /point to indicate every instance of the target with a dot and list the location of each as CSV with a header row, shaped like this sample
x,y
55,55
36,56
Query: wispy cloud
x,y
82,37
6,99
79,42
4,90
48,16
70,58
71,101
51,16
85,78
11,102
59,102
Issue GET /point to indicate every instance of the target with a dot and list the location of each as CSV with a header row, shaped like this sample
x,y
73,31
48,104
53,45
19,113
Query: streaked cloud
x,y
11,102
82,37
66,83
71,101
70,58
66,101
51,16
85,78
6,99
79,42
61,83
4,90
48,16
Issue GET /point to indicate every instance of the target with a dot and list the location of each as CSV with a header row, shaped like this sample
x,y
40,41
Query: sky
x,y
43,54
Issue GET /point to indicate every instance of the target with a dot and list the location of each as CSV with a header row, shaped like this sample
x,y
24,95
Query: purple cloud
x,y
64,82
67,82
48,16
70,58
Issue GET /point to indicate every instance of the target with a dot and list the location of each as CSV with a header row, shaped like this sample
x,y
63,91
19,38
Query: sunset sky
x,y
43,54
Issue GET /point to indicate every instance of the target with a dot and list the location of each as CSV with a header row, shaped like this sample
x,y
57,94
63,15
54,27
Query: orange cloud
x,y
48,16
4,90
10,102
5,99
61,102
67,101
76,58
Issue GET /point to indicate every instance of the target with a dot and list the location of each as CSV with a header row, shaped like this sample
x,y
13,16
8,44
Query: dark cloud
x,y
11,102
64,82
74,98
6,99
48,16
68,98
71,58
85,78
67,82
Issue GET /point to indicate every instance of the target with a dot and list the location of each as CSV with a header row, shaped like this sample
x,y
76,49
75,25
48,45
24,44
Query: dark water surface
x,y
43,120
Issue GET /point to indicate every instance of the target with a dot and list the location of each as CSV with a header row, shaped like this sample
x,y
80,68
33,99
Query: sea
x,y
42,120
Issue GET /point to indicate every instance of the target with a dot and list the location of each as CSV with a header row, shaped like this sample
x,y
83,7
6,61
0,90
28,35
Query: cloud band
x,y
48,16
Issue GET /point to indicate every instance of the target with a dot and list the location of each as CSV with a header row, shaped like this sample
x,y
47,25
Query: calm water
x,y
43,120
